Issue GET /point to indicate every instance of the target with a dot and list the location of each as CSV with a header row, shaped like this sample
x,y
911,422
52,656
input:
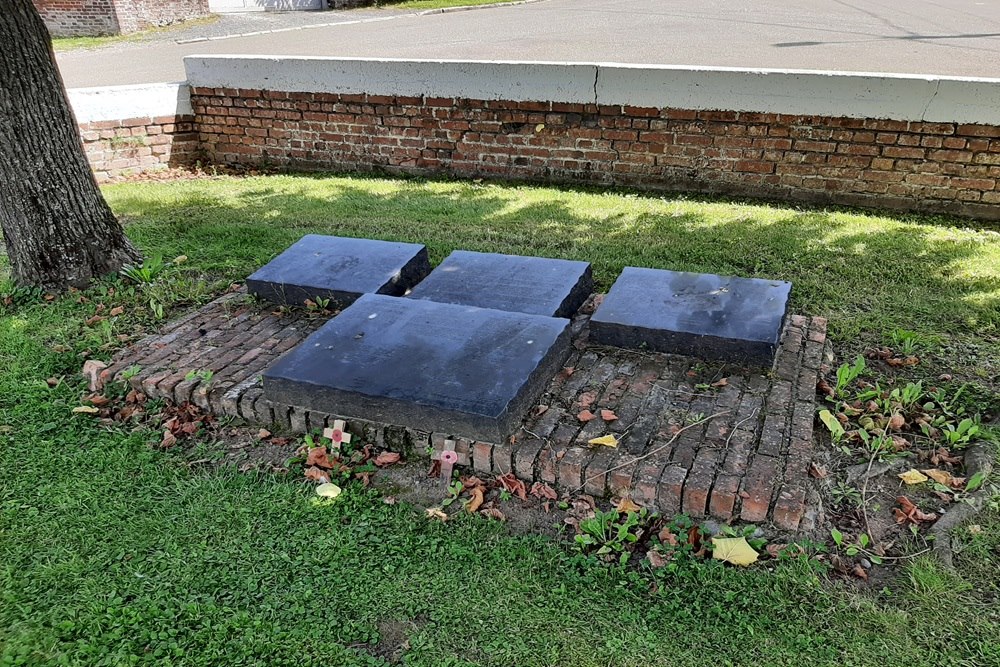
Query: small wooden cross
x,y
337,435
449,457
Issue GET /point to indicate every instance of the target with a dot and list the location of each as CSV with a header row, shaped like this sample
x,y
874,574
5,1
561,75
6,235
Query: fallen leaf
x,y
92,371
318,456
943,455
667,537
86,409
824,387
897,422
328,490
315,474
567,371
907,512
436,513
945,478
586,416
913,476
543,490
513,485
180,259
476,501
605,440
721,383
52,382
386,459
493,513
263,434
655,558
389,500
859,572
540,410
626,505
91,321
116,311
168,441
98,400
608,415
817,471
735,550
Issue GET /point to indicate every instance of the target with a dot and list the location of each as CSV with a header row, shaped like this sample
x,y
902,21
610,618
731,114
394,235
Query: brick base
x,y
747,461
119,148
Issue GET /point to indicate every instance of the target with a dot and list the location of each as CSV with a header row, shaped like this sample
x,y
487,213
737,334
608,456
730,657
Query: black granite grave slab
x,y
696,314
535,285
340,269
435,367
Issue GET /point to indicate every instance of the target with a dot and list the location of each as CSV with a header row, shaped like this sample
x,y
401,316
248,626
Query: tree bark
x,y
58,229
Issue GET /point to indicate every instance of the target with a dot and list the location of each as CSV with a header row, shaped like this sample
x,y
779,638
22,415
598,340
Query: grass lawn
x,y
74,43
112,553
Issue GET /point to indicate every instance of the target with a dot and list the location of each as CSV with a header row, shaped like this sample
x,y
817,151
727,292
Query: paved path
x,y
953,37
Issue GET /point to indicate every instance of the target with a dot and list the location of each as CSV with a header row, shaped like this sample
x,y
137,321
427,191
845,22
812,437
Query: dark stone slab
x,y
696,314
535,285
340,269
430,366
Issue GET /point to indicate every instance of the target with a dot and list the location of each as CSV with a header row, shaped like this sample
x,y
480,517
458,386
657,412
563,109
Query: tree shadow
x,y
868,274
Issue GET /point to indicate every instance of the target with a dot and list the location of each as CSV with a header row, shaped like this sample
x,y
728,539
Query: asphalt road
x,y
949,37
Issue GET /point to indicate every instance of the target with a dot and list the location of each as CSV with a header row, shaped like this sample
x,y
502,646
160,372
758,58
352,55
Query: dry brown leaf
x,y
655,558
91,321
943,455
386,459
389,500
317,475
92,371
436,513
318,456
907,512
667,537
168,441
476,501
513,485
817,471
945,478
567,371
493,513
897,422
52,382
586,416
543,490
98,399
824,387
116,311
608,415
626,505
721,383
859,572
263,434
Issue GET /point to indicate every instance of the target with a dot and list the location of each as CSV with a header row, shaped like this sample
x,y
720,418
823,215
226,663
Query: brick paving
x,y
705,439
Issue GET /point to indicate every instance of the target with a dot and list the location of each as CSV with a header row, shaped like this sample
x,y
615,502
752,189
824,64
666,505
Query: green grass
x,y
112,553
76,43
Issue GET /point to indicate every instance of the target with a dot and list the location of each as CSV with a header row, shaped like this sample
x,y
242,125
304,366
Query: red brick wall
x,y
933,167
75,18
118,148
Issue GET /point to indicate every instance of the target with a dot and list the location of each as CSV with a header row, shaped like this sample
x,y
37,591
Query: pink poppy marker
x,y
337,435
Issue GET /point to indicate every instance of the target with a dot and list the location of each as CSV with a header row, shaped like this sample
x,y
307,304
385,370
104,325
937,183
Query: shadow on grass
x,y
868,274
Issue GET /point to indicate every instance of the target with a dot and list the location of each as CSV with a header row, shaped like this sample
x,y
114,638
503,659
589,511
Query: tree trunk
x,y
58,229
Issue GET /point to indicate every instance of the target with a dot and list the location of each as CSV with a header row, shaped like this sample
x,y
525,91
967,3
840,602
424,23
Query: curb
x,y
426,12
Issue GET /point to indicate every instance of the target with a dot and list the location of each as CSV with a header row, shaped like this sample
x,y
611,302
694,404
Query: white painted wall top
x,y
798,92
123,102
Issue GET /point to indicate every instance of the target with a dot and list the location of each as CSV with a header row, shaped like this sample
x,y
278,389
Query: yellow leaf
x,y
913,476
328,490
436,513
539,127
606,440
626,505
939,476
735,550
86,409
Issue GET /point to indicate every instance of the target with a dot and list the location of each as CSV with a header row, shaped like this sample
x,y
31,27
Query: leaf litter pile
x,y
898,461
